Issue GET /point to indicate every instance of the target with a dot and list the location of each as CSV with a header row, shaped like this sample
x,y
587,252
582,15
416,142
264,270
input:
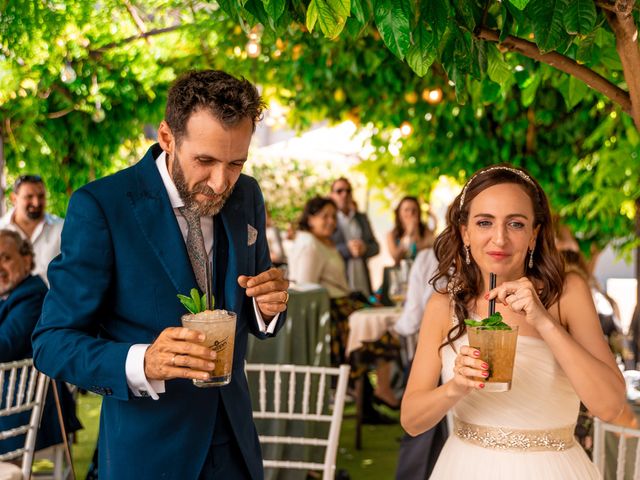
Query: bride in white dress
x,y
501,223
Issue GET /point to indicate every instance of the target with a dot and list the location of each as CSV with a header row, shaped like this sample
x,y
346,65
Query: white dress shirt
x,y
45,240
134,366
419,291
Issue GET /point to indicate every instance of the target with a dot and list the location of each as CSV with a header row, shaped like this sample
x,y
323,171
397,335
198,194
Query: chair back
x,y
626,441
22,389
300,394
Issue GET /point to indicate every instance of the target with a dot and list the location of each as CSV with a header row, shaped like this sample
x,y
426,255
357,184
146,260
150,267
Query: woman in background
x,y
315,259
410,234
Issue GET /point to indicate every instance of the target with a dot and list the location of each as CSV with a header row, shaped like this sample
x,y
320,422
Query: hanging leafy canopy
x,y
378,67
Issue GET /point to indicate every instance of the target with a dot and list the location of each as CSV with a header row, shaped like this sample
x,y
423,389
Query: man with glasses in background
x,y
353,237
29,218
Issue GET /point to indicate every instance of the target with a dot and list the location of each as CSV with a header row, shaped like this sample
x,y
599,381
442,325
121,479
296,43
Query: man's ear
x,y
12,197
166,138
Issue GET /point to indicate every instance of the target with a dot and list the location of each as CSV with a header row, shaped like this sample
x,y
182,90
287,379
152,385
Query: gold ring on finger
x,y
286,297
173,360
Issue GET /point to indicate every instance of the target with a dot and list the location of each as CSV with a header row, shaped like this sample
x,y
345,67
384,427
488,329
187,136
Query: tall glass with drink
x,y
498,349
219,327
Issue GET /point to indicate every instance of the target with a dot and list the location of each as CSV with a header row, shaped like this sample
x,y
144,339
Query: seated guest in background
x,y
353,237
410,234
314,258
21,300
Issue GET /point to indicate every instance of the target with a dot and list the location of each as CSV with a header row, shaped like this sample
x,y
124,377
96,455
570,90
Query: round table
x,y
369,324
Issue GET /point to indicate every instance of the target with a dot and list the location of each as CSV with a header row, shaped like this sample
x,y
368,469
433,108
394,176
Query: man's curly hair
x,y
227,98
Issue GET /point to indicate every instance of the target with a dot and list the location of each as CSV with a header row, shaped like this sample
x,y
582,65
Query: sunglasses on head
x,y
26,179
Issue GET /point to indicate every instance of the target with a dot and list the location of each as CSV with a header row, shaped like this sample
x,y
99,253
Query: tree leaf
x,y
573,91
530,89
507,22
312,15
497,68
548,26
422,53
358,11
519,4
580,16
392,20
436,13
332,16
465,13
256,8
274,8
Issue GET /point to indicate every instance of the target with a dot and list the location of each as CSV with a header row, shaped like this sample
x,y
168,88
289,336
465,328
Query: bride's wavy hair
x,y
464,282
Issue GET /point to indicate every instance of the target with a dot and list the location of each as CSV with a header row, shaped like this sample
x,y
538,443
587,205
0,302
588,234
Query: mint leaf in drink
x,y
472,323
494,322
188,303
196,303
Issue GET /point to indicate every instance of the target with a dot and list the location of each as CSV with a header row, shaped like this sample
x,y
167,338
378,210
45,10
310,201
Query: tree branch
x,y
158,31
135,17
562,63
60,113
624,27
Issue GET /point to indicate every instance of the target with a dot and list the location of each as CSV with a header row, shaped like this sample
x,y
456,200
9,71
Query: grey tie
x,y
195,246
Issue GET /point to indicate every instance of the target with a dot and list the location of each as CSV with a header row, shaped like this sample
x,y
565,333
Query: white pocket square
x,y
252,235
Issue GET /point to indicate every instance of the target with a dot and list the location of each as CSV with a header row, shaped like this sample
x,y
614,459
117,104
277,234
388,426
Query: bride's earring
x,y
531,259
467,257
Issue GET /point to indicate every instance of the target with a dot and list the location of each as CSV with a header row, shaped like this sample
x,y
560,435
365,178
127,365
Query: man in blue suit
x,y
110,322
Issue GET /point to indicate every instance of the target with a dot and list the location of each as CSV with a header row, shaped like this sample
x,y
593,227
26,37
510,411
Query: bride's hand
x,y
521,297
468,365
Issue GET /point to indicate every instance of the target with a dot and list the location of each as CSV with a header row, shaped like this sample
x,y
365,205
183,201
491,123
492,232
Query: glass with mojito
x,y
497,344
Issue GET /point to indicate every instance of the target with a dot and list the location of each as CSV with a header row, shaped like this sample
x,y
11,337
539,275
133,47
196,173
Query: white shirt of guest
x,y
419,290
311,261
134,366
45,240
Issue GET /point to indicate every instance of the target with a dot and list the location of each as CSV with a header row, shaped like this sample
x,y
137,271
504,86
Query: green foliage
x,y
286,186
383,58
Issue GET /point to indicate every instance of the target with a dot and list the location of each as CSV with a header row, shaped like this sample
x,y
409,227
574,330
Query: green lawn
x,y
377,459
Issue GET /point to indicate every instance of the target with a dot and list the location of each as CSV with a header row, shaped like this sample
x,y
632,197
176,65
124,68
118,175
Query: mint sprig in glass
x,y
197,303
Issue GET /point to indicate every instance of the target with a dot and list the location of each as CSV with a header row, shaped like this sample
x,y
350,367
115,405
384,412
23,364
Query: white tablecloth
x,y
369,324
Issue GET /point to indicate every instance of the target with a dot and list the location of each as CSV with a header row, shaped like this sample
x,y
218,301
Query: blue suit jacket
x,y
123,260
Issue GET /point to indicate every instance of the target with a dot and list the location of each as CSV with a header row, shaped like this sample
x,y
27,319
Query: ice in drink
x,y
498,349
219,326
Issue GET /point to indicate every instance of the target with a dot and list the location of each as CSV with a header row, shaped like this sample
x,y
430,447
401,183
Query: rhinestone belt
x,y
504,438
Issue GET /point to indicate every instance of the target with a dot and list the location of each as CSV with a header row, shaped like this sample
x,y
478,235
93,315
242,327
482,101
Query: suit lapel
x,y
153,212
234,220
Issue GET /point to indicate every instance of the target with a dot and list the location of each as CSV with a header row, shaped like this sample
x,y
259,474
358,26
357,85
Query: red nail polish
x,y
481,385
476,353
485,374
485,366
486,296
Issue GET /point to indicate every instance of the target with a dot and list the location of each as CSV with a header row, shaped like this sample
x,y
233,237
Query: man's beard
x,y
35,213
203,208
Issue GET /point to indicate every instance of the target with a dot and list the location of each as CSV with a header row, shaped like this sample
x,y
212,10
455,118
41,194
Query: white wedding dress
x,y
523,434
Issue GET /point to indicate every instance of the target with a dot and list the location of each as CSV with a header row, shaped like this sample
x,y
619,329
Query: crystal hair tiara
x,y
520,173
